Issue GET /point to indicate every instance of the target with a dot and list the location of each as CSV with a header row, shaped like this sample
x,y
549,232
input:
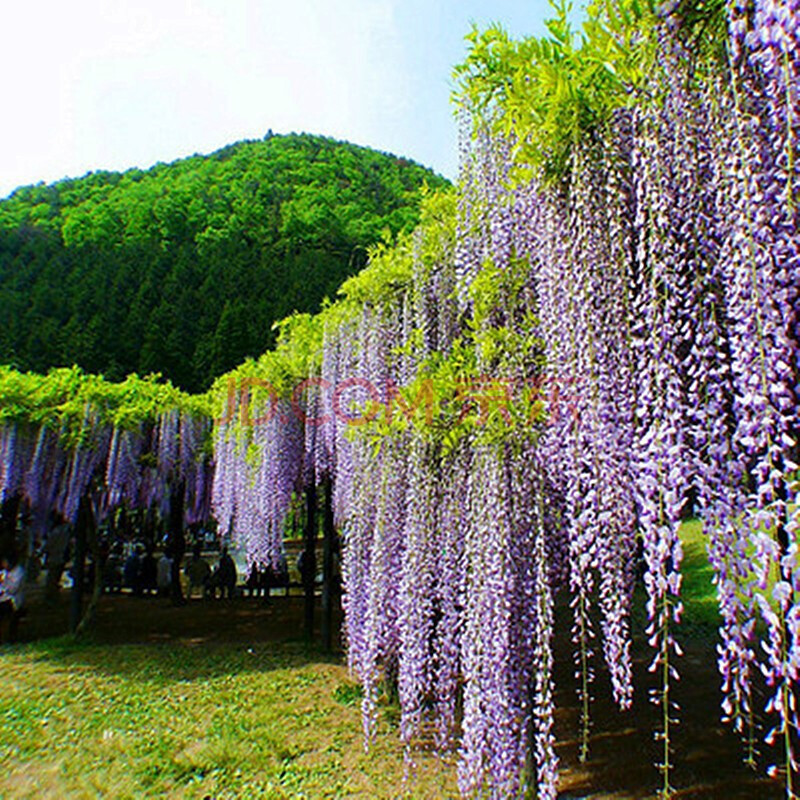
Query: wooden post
x,y
9,512
310,558
328,534
78,559
177,543
93,546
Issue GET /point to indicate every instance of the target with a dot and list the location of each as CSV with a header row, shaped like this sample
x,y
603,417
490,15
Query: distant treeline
x,y
182,269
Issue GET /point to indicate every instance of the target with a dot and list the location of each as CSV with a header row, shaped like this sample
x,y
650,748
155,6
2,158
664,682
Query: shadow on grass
x,y
163,664
706,754
151,640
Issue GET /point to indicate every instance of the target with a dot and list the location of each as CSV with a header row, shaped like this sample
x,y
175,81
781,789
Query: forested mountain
x,y
183,268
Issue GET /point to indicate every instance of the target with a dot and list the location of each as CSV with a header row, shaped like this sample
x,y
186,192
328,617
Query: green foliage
x,y
182,269
453,393
298,352
67,400
548,93
451,397
275,374
391,263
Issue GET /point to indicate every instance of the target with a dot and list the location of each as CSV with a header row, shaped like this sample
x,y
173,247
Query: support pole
x,y
310,558
9,511
176,543
85,519
328,534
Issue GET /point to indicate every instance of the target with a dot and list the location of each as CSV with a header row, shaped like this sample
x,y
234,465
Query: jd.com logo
x,y
357,401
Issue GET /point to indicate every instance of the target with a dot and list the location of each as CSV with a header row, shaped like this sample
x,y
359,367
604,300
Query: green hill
x,y
183,268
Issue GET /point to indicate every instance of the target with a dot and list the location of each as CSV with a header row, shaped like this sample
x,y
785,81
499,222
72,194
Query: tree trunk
x,y
93,542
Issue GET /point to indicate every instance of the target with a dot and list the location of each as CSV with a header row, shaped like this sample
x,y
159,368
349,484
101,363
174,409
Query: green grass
x,y
223,721
698,592
132,721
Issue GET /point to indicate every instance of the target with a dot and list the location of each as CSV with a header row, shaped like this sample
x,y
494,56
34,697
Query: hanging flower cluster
x,y
445,566
532,391
665,267
66,433
257,470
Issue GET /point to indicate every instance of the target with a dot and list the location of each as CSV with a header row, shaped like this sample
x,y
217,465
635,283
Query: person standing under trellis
x,y
55,555
12,595
198,572
226,574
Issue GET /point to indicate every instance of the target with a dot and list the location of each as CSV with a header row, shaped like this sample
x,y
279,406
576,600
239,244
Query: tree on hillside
x,y
183,268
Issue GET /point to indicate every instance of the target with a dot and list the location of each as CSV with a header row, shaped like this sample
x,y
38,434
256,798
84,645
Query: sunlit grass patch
x,y
147,721
698,592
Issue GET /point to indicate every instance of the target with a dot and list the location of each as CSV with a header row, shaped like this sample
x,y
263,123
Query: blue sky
x,y
111,84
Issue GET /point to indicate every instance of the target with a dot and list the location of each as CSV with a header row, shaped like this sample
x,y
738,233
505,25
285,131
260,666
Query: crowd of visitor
x,y
133,567
208,582
262,578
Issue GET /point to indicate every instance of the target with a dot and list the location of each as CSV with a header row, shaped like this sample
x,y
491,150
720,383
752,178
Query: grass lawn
x,y
698,592
158,720
218,701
